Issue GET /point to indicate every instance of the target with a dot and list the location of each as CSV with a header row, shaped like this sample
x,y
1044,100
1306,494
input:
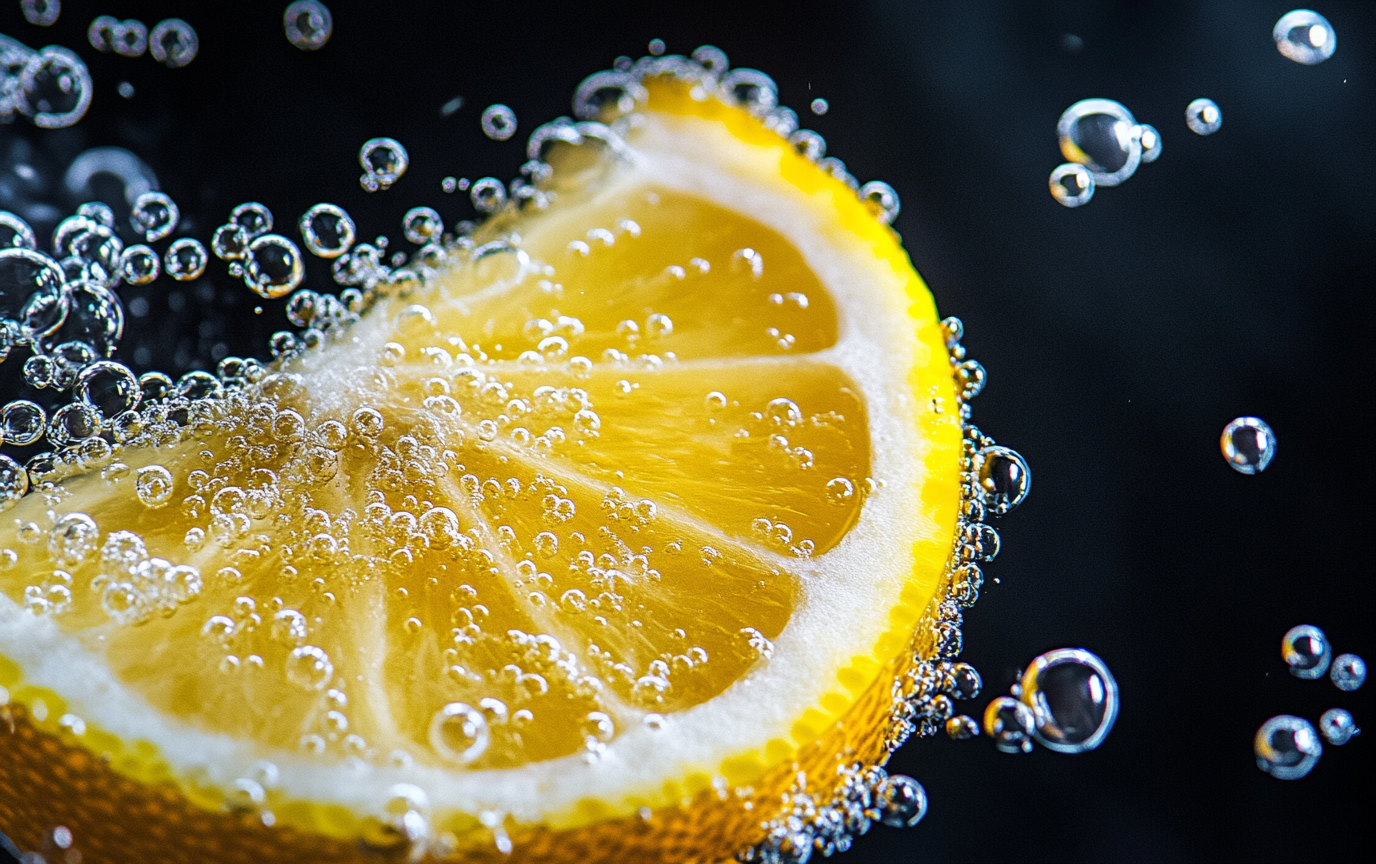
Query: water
x,y
1338,727
1248,444
1103,136
1305,36
384,160
1011,724
1203,117
499,122
1074,699
1072,185
1348,672
308,24
1305,650
1287,747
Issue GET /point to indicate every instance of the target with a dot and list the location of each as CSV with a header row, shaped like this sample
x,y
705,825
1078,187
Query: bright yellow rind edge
x,y
930,378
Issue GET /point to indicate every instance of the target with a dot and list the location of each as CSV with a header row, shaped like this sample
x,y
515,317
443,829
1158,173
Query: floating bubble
x,y
309,667
55,88
42,13
154,215
488,195
101,33
1073,697
1248,444
108,387
962,728
173,43
1305,36
139,265
1287,747
459,733
1151,142
1305,650
129,38
499,122
1348,672
1203,117
31,291
254,218
94,318
656,47
1011,724
901,800
15,232
384,160
308,24
327,230
97,211
1101,135
274,266
1072,184
1338,727
820,107
185,259
421,225
1004,478
229,242
22,422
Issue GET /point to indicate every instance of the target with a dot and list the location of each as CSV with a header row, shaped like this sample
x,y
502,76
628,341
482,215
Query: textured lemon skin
x,y
131,809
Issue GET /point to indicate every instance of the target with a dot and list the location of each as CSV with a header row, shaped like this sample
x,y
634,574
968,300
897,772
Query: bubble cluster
x,y
1305,36
308,24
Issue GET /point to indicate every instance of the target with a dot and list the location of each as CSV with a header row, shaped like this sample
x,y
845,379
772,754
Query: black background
x,y
1231,277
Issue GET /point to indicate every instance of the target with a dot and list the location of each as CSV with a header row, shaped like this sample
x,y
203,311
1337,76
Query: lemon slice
x,y
590,541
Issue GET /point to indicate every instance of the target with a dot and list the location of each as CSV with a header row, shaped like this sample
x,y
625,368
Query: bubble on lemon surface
x,y
1248,444
1073,697
1203,116
308,24
1305,649
1348,672
1011,724
459,733
1305,36
1338,727
1004,478
902,801
1287,747
384,160
1103,136
309,667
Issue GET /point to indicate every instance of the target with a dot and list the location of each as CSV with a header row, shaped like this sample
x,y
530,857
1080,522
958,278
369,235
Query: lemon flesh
x,y
642,494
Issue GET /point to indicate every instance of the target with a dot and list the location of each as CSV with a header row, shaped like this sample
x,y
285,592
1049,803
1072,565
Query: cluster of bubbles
x,y
308,24
1288,747
1066,701
1248,445
51,86
172,42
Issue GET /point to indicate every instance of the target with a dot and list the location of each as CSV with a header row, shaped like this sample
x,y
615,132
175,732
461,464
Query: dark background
x,y
1230,277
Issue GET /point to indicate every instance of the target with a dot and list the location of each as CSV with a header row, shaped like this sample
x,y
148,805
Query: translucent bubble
x,y
185,259
27,277
488,195
129,38
882,199
901,800
1151,142
1004,478
229,242
153,484
173,43
15,232
101,33
459,733
656,47
73,539
1248,444
54,88
274,266
384,160
42,13
139,265
752,89
1305,650
328,231
1011,724
599,727
1073,697
155,386
1101,135
72,423
1072,184
499,122
14,482
254,218
1338,727
603,95
421,225
1203,117
962,728
309,667
108,387
22,422
154,215
820,106
1348,672
1287,747
308,24
1305,37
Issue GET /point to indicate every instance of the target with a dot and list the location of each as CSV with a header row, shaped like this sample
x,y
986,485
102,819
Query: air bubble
x,y
55,88
962,728
14,482
108,387
15,232
1072,184
73,539
22,422
459,733
1103,136
309,667
1151,142
139,265
1338,727
1305,36
308,24
327,230
901,800
882,199
420,225
1305,650
1073,697
274,266
153,484
229,242
254,218
173,43
1287,747
1348,672
1248,444
1011,724
185,259
820,106
1203,117
154,216
43,13
488,195
1004,479
384,160
499,122
840,490
658,325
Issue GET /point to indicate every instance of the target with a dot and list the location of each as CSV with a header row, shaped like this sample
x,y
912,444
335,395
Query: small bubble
x,y
1073,697
488,195
656,47
1348,672
598,726
1004,478
962,728
274,266
459,733
1151,142
1338,727
421,225
54,88
254,218
125,89
22,422
328,231
1203,117
108,387
902,801
139,265
153,484
309,667
1103,136
308,24
820,106
15,232
1248,444
449,184
840,490
384,160
883,200
1287,747
185,259
173,43
499,122
154,215
1072,185
43,13
1305,37
1305,650
1011,724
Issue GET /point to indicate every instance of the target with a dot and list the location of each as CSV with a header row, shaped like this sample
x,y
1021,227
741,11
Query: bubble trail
x,y
1287,747
1248,444
308,24
1203,117
1305,36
